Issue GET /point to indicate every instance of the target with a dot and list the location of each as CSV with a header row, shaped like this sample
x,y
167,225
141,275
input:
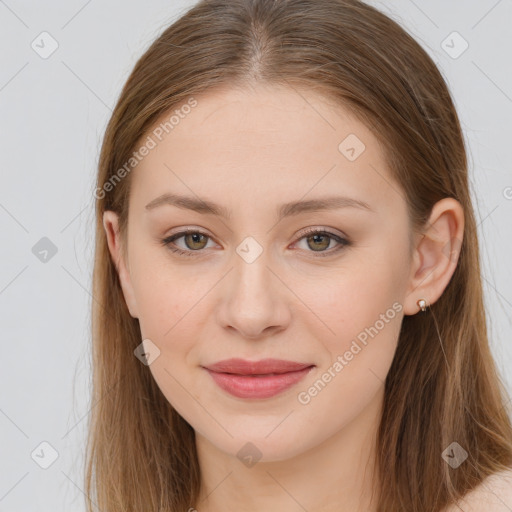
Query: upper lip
x,y
262,367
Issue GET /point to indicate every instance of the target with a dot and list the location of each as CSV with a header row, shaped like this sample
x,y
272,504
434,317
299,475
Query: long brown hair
x,y
140,453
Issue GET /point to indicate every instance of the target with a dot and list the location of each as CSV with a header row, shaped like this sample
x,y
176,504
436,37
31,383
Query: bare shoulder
x,y
494,493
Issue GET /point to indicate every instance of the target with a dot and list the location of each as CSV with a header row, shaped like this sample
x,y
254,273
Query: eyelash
x,y
342,241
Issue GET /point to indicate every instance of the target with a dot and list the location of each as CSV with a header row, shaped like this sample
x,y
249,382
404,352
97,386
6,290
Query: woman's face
x,y
253,280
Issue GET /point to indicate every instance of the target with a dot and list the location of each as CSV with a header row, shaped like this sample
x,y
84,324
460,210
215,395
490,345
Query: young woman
x,y
288,306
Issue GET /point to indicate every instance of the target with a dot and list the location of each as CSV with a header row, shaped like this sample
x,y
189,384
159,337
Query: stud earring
x,y
422,304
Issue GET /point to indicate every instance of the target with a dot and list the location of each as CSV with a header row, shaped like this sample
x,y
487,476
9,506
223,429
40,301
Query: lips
x,y
257,379
263,367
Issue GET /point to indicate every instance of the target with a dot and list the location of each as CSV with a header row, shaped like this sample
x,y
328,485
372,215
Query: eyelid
x,y
341,239
168,240
321,229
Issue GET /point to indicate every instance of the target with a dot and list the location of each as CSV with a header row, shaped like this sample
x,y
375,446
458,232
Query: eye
x,y
194,242
316,240
320,240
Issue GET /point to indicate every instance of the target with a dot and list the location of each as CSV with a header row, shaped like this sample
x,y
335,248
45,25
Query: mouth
x,y
259,379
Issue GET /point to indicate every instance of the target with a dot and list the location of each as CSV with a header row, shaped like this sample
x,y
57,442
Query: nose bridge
x,y
251,277
250,259
251,301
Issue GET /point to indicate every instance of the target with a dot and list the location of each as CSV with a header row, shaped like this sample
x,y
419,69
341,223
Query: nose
x,y
254,300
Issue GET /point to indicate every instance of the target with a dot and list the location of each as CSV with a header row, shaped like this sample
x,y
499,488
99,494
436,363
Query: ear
x,y
435,254
111,226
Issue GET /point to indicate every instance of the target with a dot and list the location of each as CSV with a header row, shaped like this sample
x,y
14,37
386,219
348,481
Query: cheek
x,y
359,315
364,314
172,316
166,296
353,299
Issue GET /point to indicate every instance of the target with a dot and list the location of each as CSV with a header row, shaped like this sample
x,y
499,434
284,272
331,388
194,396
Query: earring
x,y
422,304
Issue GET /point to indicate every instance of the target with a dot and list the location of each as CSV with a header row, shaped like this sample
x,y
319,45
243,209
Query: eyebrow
x,y
285,210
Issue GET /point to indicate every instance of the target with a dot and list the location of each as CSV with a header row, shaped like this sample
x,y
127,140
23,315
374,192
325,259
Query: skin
x,y
494,493
250,151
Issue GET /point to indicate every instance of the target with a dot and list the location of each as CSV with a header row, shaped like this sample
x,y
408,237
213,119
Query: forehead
x,y
270,143
275,116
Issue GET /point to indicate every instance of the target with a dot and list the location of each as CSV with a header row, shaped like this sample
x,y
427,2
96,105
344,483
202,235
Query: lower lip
x,y
246,386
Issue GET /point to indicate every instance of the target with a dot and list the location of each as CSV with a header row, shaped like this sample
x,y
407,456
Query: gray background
x,y
53,113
